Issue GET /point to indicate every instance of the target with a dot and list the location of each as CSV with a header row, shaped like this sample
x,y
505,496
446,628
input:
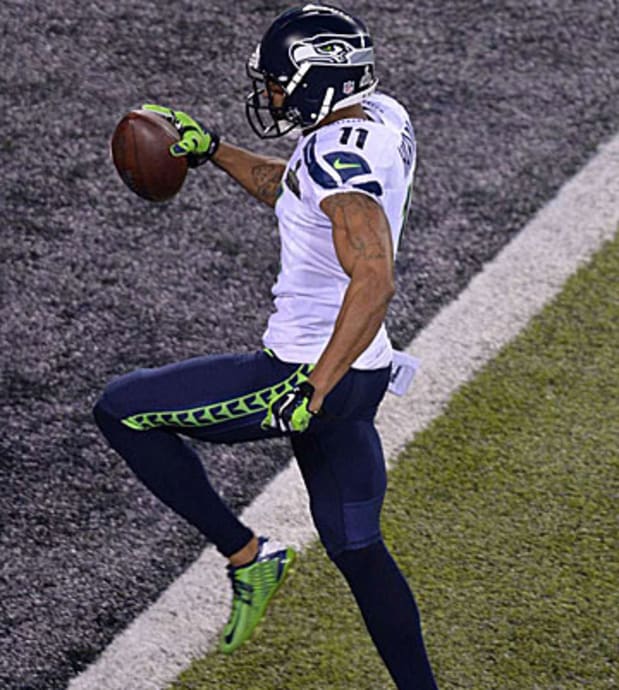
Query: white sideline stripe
x,y
184,622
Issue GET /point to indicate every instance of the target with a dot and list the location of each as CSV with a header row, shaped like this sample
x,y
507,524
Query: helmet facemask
x,y
266,119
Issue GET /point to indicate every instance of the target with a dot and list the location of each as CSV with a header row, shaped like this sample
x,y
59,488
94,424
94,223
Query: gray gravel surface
x,y
509,99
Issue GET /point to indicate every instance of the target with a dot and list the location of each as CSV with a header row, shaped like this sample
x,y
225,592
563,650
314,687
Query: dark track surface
x,y
509,99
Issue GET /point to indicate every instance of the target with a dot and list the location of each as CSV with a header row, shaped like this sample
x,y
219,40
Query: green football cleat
x,y
253,586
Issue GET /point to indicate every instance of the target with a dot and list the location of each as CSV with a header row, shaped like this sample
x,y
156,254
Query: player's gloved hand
x,y
290,411
197,142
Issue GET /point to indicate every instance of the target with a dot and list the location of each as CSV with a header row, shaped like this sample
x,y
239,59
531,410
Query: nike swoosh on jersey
x,y
338,165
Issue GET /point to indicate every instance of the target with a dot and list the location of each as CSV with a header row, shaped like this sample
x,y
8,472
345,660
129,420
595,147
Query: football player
x,y
341,200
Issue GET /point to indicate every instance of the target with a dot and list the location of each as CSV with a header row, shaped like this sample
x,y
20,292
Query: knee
x,y
103,413
112,404
358,526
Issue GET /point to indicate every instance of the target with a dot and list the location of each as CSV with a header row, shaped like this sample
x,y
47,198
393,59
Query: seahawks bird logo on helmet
x,y
331,50
320,57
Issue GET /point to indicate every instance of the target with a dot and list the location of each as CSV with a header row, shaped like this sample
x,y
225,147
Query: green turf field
x,y
502,514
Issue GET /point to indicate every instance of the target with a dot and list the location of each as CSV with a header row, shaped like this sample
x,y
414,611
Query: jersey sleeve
x,y
333,169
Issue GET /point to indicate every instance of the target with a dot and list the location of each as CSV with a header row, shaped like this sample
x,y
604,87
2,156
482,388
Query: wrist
x,y
318,384
316,398
196,159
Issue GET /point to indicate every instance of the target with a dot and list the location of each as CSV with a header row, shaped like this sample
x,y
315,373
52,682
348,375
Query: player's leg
x,y
172,471
219,398
343,467
390,613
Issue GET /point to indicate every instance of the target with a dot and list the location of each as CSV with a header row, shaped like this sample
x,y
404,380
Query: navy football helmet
x,y
323,60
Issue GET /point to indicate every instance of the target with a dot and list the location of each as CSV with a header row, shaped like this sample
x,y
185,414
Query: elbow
x,y
384,286
389,291
376,286
384,294
381,289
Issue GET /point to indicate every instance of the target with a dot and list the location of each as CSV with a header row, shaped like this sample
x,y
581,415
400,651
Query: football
x,y
140,151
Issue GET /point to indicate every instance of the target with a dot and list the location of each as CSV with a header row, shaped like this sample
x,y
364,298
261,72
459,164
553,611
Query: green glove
x,y
197,142
290,413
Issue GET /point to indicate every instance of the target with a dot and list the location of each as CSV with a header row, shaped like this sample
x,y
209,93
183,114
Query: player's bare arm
x,y
259,175
362,240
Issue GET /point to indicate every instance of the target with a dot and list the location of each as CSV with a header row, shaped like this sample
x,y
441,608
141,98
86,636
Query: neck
x,y
351,112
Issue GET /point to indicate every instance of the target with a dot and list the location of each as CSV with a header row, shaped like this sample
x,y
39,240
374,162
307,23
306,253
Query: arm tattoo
x,y
357,215
266,178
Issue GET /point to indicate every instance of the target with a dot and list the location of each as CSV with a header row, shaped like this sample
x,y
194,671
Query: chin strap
x,y
325,108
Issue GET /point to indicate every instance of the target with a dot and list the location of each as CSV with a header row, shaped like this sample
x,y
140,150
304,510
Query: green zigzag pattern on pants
x,y
219,412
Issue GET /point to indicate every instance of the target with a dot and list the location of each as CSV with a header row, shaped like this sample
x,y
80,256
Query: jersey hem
x,y
302,356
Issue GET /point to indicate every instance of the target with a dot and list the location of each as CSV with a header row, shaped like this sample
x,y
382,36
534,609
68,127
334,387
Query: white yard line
x,y
185,621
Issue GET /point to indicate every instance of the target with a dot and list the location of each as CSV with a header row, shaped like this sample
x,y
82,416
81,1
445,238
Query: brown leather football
x,y
140,150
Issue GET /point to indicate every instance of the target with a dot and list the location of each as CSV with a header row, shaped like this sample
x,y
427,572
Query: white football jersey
x,y
374,157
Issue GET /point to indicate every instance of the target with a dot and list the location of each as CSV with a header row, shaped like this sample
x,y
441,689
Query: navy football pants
x,y
223,399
